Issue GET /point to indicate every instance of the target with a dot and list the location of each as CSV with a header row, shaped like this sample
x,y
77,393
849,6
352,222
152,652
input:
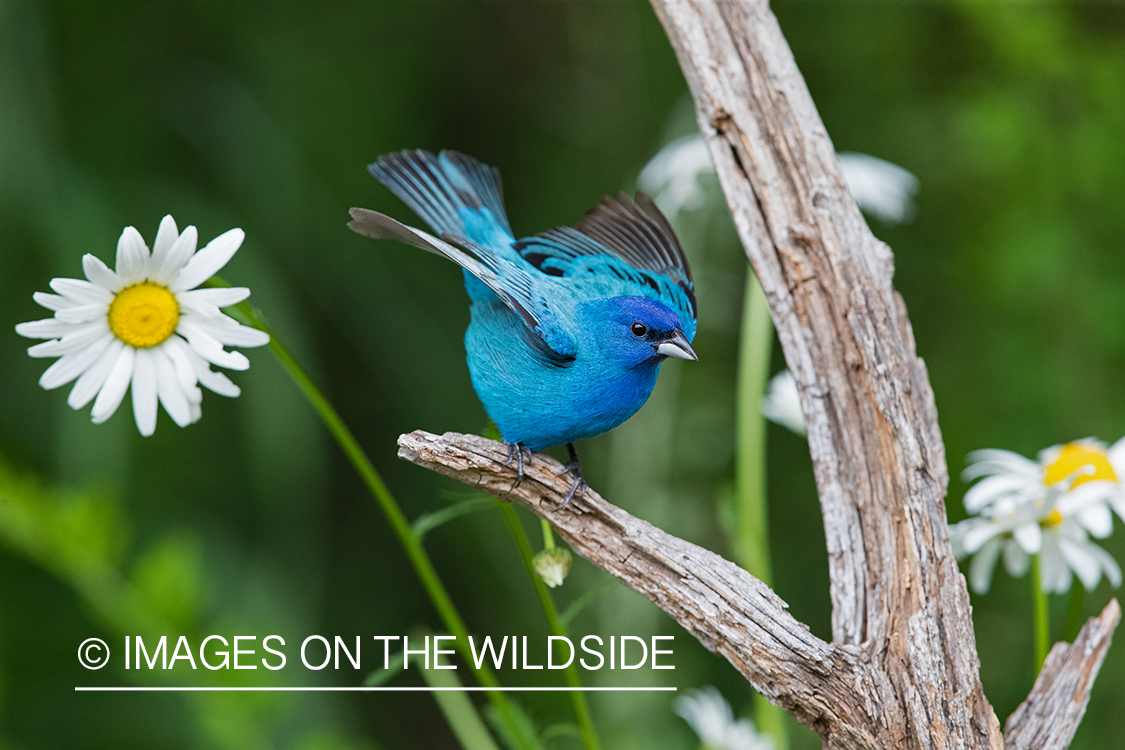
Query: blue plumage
x,y
569,326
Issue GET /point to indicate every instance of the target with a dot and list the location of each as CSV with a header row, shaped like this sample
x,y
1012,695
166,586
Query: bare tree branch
x,y
834,689
1049,717
873,433
727,609
904,671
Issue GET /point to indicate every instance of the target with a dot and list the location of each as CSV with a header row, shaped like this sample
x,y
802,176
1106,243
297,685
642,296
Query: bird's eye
x,y
640,330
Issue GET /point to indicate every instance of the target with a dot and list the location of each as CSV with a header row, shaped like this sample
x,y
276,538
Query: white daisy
x,y
1085,470
1012,527
782,404
674,176
1047,507
145,325
882,189
711,717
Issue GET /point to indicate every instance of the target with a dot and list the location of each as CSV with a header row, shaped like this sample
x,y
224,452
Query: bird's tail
x,y
455,194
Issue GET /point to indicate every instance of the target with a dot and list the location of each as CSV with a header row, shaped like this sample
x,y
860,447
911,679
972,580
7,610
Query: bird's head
x,y
633,331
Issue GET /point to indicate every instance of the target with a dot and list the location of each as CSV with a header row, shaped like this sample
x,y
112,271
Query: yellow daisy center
x,y
143,315
1089,465
1053,519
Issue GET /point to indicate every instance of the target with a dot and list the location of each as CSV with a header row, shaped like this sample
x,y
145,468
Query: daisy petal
x,y
1029,536
1015,559
82,292
1094,492
996,461
179,353
132,256
99,273
116,383
83,313
1054,574
224,297
48,328
1109,565
984,562
978,534
241,336
1115,454
200,308
206,346
1096,519
166,235
79,338
144,392
52,301
214,381
208,261
1085,565
987,491
168,389
91,381
70,366
179,254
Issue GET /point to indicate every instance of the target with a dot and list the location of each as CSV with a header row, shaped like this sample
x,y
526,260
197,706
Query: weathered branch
x,y
1049,717
903,672
727,609
835,689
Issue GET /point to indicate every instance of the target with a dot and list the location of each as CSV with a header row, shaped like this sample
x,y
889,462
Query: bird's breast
x,y
539,403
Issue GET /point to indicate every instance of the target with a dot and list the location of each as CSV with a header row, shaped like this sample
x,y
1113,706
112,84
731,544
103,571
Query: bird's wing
x,y
452,192
627,239
512,284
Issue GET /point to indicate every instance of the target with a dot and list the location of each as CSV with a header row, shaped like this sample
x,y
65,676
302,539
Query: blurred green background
x,y
264,115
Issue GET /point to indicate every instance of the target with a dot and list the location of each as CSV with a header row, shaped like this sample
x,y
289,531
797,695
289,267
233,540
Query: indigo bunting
x,y
569,326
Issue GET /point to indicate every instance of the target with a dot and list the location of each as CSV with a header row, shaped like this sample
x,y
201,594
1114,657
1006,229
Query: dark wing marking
x,y
634,231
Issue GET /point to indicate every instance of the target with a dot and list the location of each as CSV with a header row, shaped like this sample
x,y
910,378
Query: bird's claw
x,y
575,468
515,453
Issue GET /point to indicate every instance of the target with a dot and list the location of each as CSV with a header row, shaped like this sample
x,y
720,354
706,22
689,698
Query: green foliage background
x,y
263,116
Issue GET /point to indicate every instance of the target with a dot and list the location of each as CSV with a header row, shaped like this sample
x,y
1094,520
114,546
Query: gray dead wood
x,y
903,671
1063,687
832,688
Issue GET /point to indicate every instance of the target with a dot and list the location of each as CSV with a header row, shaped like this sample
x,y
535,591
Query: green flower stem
x,y
1042,623
1072,622
406,536
459,711
751,542
577,698
548,535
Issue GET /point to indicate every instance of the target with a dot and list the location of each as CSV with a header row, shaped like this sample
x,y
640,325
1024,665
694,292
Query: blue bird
x,y
569,326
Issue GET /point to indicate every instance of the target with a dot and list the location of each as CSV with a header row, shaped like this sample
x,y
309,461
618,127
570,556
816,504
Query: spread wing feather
x,y
513,287
623,246
441,188
633,232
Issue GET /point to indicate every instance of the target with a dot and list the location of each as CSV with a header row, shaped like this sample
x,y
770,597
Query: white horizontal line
x,y
362,689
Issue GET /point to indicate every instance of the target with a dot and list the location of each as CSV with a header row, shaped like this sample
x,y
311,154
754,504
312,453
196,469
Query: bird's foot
x,y
574,468
516,453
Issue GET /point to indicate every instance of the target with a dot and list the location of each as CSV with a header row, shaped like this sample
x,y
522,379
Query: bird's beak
x,y
677,346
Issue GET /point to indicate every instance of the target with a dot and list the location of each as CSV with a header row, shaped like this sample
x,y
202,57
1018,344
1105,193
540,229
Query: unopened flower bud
x,y
552,565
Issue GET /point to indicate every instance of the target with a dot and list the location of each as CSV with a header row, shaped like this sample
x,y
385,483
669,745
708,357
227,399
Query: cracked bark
x,y
903,670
